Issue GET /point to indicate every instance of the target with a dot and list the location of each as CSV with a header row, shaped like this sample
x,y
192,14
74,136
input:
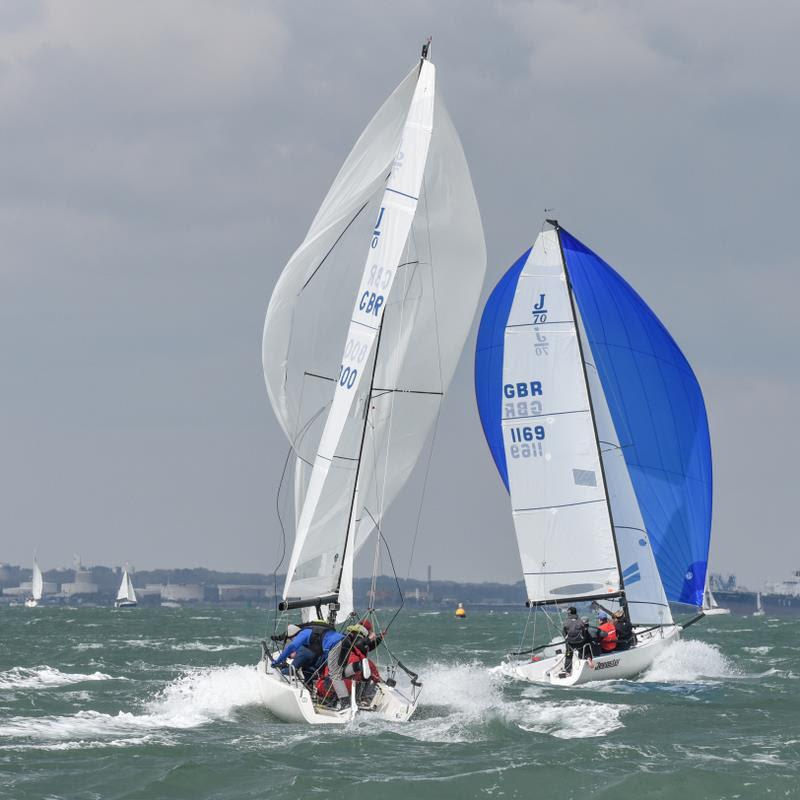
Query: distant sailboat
x,y
362,336
759,612
37,584
126,596
598,429
710,607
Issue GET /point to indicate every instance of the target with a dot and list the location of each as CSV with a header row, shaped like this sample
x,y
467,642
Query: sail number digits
x,y
526,441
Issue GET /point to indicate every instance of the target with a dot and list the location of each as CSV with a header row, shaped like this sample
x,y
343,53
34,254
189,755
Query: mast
x,y
557,227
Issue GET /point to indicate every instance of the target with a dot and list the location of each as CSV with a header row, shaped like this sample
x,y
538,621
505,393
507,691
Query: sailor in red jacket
x,y
606,633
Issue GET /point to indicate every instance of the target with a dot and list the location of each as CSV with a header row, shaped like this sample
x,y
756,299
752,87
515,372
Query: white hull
x,y
125,604
609,666
758,613
289,700
31,603
716,611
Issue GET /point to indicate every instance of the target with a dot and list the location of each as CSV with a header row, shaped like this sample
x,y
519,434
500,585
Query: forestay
x,y
383,407
536,413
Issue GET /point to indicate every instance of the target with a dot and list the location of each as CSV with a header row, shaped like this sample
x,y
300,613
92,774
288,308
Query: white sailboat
x,y
759,612
577,384
710,606
361,339
37,584
126,596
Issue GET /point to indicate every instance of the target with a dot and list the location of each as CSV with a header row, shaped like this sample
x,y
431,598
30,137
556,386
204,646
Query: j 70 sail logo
x,y
376,234
539,311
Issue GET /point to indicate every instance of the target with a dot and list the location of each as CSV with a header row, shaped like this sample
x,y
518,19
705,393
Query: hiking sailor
x,y
308,646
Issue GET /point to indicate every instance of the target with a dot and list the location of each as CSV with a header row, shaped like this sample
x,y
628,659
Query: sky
x,y
159,163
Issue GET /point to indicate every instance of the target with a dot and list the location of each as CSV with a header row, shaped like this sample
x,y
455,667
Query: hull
x,y
288,699
125,604
716,612
609,666
31,603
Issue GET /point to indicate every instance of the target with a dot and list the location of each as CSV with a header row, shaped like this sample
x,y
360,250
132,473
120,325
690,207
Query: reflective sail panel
x,y
659,415
535,410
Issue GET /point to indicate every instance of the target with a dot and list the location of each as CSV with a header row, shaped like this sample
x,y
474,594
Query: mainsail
x,y
37,584
126,591
560,431
356,360
535,407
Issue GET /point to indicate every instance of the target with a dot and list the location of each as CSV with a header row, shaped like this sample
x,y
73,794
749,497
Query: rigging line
x,y
283,535
441,382
394,572
338,239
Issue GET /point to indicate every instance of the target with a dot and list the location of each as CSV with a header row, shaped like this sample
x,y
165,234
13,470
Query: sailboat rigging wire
x,y
394,571
283,534
333,246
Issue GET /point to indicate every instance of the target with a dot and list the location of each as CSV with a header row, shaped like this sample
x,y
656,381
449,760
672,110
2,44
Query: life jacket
x,y
324,682
318,631
610,640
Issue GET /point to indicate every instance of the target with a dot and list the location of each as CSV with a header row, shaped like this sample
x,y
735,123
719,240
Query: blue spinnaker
x,y
659,415
489,361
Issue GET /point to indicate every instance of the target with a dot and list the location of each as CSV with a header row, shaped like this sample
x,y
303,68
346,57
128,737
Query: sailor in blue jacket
x,y
308,647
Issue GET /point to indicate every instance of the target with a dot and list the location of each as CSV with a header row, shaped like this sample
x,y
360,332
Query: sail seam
x,y
565,505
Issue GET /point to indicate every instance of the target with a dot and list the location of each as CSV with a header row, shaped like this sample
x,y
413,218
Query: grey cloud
x,y
160,162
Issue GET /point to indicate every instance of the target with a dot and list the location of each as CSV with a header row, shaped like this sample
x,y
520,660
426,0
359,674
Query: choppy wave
x,y
196,698
474,698
45,677
208,648
691,660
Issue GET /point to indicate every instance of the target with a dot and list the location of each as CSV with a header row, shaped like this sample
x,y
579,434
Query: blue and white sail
x,y
658,409
552,425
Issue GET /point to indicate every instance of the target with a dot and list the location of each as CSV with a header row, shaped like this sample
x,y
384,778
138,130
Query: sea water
x,y
164,703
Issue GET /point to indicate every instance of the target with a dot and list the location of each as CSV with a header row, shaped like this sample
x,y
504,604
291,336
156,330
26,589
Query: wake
x,y
470,699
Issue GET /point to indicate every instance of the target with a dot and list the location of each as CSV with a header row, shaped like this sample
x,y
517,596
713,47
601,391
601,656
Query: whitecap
x,y
579,719
198,697
46,677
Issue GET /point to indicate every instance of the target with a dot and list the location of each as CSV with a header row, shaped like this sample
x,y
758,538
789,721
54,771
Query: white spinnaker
x,y
37,583
392,226
425,324
311,301
644,592
559,504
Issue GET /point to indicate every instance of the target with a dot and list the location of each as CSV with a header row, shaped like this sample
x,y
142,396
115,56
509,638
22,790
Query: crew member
x,y
576,636
308,647
626,637
606,633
